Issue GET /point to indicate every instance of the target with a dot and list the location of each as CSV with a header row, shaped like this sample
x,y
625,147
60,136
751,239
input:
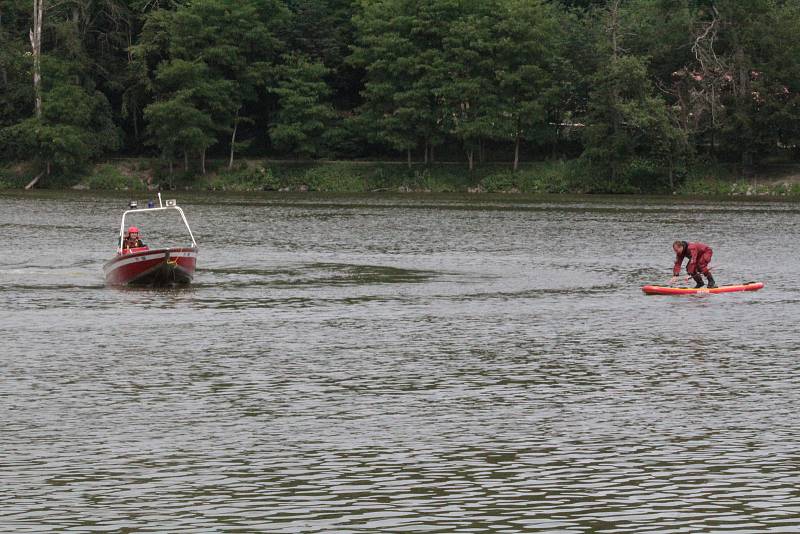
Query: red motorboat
x,y
156,267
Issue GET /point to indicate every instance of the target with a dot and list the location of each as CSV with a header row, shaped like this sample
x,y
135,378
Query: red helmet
x,y
133,229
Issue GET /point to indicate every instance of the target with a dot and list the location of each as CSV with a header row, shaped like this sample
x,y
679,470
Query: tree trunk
x,y
35,35
203,162
432,160
471,159
744,94
33,182
425,156
671,174
130,43
134,106
408,157
135,113
233,139
557,136
616,121
713,122
613,28
516,153
185,161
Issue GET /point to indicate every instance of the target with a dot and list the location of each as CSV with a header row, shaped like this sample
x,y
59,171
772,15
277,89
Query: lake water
x,y
401,364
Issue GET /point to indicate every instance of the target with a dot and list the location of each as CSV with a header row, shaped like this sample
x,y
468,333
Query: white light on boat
x,y
171,202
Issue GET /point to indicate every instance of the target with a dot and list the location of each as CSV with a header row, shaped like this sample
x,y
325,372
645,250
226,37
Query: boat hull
x,y
152,268
665,290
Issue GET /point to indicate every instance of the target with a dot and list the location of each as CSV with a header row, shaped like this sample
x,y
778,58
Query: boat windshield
x,y
164,227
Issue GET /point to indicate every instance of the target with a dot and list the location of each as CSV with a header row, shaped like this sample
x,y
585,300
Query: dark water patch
x,y
251,272
43,289
367,274
316,274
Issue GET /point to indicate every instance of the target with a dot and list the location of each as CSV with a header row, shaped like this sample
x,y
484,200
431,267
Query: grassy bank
x,y
356,177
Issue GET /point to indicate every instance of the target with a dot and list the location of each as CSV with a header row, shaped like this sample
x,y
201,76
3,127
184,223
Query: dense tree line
x,y
630,86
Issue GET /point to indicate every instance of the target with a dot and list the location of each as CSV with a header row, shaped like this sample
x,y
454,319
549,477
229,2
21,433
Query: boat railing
x,y
171,205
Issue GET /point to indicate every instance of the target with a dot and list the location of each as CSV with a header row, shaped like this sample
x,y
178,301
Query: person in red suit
x,y
699,255
132,239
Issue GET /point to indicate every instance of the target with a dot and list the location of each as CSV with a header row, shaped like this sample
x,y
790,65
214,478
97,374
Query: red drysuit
x,y
699,256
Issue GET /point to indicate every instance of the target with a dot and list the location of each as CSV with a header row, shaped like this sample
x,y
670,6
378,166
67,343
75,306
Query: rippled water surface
x,y
401,364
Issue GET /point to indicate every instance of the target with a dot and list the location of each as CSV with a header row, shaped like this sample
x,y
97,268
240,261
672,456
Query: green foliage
x,y
433,180
183,121
15,177
258,178
472,103
651,84
328,177
323,30
388,55
364,177
643,175
304,114
543,177
737,188
204,60
76,125
177,126
531,74
708,178
549,177
626,120
66,148
109,177
16,90
503,182
332,179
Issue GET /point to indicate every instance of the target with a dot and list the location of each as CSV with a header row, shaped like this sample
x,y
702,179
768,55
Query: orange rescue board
x,y
666,290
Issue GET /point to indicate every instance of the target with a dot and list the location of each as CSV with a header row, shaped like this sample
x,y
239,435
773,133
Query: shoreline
x,y
564,177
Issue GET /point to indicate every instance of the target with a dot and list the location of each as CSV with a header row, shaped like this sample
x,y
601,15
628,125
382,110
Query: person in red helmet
x,y
132,239
699,255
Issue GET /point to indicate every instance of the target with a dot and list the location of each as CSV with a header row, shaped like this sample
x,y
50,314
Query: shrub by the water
x,y
9,179
550,177
109,177
258,178
540,177
334,179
